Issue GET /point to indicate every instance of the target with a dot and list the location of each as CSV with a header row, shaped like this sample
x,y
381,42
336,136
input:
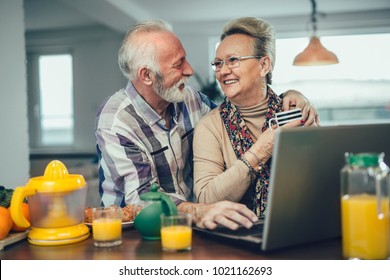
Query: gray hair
x,y
261,31
135,52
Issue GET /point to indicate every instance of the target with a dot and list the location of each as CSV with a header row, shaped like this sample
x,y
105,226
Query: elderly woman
x,y
233,143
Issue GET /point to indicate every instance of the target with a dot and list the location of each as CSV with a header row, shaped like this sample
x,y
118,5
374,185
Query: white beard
x,y
172,94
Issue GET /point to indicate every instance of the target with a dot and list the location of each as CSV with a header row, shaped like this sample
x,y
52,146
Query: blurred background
x,y
59,62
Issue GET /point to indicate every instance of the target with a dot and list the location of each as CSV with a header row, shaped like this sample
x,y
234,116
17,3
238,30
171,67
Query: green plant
x,y
5,196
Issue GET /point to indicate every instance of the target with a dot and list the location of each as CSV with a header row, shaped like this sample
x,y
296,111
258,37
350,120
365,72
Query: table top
x,y
133,247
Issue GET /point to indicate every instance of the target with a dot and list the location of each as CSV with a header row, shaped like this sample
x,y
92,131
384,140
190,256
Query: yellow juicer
x,y
56,204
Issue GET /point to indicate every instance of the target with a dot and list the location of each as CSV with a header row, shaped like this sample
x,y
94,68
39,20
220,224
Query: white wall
x,y
96,75
197,48
14,152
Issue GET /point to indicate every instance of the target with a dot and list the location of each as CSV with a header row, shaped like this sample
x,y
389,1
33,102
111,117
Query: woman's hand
x,y
294,99
264,145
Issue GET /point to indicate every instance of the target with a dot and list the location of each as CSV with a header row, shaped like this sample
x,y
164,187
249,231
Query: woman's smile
x,y
231,81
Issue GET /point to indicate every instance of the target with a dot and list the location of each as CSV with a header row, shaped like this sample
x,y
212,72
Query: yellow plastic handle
x,y
16,205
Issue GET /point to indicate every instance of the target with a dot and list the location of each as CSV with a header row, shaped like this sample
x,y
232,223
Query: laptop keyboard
x,y
255,230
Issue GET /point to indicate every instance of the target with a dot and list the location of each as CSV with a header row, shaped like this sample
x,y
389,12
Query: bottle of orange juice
x,y
365,184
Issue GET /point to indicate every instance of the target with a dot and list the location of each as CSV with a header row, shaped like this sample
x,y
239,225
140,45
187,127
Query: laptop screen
x,y
304,191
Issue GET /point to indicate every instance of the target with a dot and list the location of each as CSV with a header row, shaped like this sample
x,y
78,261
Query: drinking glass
x,y
176,232
107,226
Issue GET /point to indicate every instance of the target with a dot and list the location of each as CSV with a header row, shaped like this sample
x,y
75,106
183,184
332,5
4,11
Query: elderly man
x,y
144,132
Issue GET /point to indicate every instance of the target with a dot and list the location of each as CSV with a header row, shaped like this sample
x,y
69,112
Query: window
x,y
354,91
52,123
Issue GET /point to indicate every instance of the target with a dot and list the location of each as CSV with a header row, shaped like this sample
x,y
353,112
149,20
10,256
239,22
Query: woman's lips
x,y
229,82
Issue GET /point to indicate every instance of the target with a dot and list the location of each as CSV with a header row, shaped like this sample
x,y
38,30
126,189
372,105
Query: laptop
x,y
304,191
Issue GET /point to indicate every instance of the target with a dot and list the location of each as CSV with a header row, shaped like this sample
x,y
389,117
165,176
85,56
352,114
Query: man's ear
x,y
145,75
265,64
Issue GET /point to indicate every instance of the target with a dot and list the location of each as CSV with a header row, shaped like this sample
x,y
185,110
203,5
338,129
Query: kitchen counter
x,y
134,248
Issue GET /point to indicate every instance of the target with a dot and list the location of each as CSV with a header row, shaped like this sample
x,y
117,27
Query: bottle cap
x,y
364,159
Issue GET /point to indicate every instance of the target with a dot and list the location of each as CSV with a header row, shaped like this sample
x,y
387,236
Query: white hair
x,y
135,53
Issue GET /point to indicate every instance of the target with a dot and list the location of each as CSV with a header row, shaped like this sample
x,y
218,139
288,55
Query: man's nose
x,y
188,71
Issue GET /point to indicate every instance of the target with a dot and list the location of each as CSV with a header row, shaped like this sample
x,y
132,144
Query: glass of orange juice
x,y
107,226
365,232
365,215
176,232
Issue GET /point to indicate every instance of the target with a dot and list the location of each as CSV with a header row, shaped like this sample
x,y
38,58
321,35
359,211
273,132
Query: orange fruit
x,y
26,213
5,222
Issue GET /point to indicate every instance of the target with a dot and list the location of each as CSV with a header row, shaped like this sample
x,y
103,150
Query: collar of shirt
x,y
146,111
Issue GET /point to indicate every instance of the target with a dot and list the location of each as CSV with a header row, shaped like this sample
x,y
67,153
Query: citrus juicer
x,y
56,204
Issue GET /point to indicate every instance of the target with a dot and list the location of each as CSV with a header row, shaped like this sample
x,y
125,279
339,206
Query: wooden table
x,y
134,248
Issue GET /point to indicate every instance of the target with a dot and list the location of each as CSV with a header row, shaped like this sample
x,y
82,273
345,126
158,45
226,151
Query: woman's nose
x,y
224,69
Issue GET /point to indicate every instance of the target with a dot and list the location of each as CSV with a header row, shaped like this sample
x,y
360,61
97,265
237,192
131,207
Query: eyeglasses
x,y
231,62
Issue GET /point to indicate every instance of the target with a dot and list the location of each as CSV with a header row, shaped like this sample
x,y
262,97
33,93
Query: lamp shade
x,y
315,54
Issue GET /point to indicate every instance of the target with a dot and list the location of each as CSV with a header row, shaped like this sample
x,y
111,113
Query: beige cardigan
x,y
218,174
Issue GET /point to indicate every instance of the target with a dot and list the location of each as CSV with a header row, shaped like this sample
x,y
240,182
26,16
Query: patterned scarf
x,y
241,142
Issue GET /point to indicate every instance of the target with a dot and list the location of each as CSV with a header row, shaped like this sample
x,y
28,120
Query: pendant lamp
x,y
315,53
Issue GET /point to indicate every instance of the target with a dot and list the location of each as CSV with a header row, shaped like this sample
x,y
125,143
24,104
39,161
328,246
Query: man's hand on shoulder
x,y
294,99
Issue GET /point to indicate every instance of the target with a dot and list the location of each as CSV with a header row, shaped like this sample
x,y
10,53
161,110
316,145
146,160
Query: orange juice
x,y
107,229
365,233
176,237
